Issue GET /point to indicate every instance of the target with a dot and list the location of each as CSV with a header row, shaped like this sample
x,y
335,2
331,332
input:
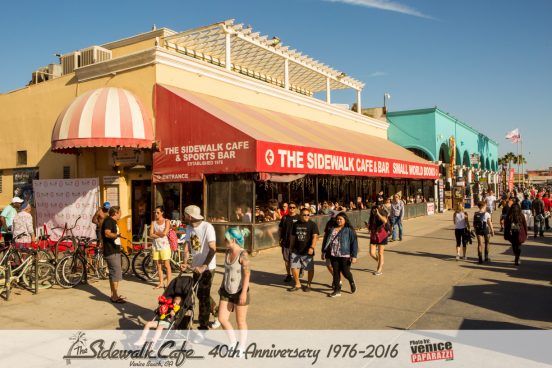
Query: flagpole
x,y
522,169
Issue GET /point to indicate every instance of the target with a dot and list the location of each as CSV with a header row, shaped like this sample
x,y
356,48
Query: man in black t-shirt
x,y
112,252
284,229
304,235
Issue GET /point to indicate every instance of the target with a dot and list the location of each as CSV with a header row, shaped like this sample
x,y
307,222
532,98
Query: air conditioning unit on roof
x,y
93,55
70,62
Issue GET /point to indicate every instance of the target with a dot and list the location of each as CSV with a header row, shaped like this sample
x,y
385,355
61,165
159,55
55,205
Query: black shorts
x,y
232,298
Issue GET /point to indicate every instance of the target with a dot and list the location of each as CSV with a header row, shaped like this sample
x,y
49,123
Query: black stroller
x,y
182,286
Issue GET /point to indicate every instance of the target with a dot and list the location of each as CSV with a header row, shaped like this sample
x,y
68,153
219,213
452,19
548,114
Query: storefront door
x,y
141,207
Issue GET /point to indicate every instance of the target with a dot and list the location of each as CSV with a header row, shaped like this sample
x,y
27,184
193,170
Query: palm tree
x,y
508,158
520,160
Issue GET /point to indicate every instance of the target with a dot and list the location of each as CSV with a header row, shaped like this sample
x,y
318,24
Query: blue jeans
x,y
396,222
539,227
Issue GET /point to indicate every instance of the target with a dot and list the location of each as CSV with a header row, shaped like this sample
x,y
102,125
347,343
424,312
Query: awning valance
x,y
201,134
103,117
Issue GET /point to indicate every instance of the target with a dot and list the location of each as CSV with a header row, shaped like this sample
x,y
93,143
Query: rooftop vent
x,y
93,55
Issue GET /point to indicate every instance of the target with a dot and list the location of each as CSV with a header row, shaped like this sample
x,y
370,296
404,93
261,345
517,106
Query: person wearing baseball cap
x,y
98,219
202,242
23,229
7,216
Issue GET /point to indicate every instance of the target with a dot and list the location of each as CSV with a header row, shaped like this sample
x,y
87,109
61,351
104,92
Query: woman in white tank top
x,y
461,230
161,252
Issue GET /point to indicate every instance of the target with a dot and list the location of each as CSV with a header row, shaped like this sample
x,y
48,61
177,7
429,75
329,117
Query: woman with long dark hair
x,y
341,246
377,225
515,230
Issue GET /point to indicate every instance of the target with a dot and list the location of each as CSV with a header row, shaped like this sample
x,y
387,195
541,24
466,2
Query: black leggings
x,y
460,237
341,265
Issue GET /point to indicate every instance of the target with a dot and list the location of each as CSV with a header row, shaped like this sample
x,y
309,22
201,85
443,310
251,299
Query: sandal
x,y
118,301
159,287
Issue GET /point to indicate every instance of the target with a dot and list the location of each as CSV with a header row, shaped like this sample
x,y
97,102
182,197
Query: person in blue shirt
x,y
7,216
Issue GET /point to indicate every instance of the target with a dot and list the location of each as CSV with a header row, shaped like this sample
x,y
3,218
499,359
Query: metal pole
x,y
35,260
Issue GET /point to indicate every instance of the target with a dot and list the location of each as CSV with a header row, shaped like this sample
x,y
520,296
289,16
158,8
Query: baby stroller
x,y
182,286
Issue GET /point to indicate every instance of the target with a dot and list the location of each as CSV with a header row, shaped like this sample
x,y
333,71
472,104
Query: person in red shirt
x,y
284,209
547,203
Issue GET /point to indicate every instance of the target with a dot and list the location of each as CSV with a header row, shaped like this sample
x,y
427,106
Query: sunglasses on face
x,y
305,214
293,207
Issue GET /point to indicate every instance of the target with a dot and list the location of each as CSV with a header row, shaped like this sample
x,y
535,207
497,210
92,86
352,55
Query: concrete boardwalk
x,y
423,287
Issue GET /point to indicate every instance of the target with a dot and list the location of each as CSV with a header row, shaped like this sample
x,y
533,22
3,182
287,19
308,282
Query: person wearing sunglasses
x,y
302,244
284,229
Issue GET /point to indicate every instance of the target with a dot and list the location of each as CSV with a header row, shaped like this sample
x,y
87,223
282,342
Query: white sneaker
x,y
215,324
457,257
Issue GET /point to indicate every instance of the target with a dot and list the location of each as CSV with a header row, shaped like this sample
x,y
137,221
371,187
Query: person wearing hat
x,y
23,229
7,216
202,243
98,219
112,252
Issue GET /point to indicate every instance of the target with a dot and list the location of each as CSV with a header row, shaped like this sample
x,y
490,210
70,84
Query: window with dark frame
x,y
66,172
21,157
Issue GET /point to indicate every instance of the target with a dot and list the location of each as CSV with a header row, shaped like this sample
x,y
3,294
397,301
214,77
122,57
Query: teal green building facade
x,y
432,133
427,132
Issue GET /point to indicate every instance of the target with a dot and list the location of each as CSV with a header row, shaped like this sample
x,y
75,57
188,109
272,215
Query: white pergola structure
x,y
239,49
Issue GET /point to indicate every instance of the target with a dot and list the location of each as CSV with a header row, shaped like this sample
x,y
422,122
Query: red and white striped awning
x,y
103,117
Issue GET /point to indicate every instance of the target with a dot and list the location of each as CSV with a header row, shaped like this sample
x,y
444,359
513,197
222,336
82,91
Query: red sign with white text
x,y
511,180
284,158
194,143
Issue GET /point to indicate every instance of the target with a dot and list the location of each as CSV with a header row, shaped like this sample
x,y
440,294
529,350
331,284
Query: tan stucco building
x,y
224,61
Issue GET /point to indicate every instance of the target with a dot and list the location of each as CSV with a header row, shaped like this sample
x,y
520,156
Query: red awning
x,y
103,117
201,134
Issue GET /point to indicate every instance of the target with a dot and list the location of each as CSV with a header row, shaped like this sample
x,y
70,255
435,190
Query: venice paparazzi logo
x,y
425,350
167,353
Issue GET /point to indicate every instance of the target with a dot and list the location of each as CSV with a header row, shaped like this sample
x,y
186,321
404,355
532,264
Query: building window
x,y
66,172
21,157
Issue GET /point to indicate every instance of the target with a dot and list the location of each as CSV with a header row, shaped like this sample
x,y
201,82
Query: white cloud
x,y
384,5
378,74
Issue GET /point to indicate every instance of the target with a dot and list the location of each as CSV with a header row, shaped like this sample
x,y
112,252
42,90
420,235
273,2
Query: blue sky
x,y
486,62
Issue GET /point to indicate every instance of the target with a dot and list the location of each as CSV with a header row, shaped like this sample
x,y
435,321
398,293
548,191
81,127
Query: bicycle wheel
x,y
125,263
149,268
46,278
5,275
102,270
137,261
70,271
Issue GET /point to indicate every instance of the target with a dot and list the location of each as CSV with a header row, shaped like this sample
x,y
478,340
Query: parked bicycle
x,y
21,265
75,268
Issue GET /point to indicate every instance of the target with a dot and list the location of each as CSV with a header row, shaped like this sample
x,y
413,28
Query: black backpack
x,y
479,223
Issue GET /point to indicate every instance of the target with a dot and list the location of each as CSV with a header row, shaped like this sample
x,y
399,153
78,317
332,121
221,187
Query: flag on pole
x,y
514,136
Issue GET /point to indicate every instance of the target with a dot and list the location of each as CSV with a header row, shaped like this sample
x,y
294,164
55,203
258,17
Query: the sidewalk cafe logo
x,y
425,350
165,353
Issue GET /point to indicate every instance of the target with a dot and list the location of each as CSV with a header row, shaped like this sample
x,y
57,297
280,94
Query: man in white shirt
x,y
201,239
491,202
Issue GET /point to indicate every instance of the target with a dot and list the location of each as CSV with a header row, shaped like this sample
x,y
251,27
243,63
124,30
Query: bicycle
x,y
73,269
26,265
149,269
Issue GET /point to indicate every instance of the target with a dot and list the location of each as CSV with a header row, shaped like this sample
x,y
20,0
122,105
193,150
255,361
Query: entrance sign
x,y
61,201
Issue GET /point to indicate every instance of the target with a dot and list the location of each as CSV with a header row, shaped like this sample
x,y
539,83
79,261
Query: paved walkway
x,y
423,287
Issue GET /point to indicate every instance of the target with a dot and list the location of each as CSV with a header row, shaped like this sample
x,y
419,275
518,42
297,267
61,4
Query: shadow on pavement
x,y
519,300
129,312
474,324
